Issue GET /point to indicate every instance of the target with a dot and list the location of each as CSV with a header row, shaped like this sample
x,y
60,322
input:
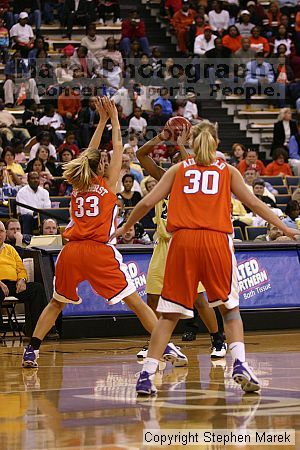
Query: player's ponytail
x,y
81,171
204,142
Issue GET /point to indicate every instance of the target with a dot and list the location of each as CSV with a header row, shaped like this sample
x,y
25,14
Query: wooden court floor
x,y
83,394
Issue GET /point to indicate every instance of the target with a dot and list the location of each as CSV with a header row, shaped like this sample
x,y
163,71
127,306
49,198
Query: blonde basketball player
x,y
201,248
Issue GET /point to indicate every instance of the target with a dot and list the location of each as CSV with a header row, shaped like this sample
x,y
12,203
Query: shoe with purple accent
x,y
144,385
175,356
30,357
243,375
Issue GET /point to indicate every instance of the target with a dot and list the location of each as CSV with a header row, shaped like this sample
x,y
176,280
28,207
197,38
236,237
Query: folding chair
x,y
274,181
9,305
253,232
238,233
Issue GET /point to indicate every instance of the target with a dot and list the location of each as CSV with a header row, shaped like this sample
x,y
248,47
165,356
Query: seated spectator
x,y
181,22
14,283
94,42
258,74
6,191
87,121
292,212
30,117
37,165
296,194
4,42
127,97
245,26
49,227
158,118
43,153
128,150
133,28
233,39
284,76
32,8
190,110
14,170
85,59
63,71
14,235
22,35
111,76
259,43
79,12
9,128
130,197
164,102
218,18
284,128
135,52
250,175
108,7
258,191
204,42
218,54
278,166
294,150
39,44
137,124
245,53
127,168
274,16
171,7
282,37
196,29
52,121
251,158
112,52
69,143
44,139
257,13
18,150
238,154
69,105
129,238
35,196
273,233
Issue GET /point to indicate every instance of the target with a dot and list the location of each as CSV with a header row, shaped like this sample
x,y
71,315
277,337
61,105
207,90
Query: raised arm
x,y
261,209
146,161
96,138
116,159
161,190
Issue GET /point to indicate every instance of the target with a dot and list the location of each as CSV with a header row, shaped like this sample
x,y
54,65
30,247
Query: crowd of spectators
x,y
58,94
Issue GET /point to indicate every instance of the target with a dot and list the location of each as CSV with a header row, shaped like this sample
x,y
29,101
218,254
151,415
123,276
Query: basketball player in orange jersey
x,y
201,249
88,255
155,276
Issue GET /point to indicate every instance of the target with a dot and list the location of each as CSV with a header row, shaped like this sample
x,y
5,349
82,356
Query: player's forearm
x,y
183,152
97,136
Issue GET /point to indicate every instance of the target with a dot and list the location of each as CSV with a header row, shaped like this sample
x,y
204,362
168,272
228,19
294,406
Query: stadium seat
x,y
275,181
281,189
12,207
238,233
150,232
284,198
292,181
282,207
64,202
62,215
253,232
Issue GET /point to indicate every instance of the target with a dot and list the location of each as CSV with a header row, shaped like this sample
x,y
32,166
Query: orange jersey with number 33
x,y
201,197
93,214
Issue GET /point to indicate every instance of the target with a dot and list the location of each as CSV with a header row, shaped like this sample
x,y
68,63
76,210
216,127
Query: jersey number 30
x,y
207,182
88,206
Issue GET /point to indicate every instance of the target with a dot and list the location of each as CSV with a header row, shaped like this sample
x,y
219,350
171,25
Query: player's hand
x,y
184,137
20,286
292,233
4,288
110,108
101,110
164,135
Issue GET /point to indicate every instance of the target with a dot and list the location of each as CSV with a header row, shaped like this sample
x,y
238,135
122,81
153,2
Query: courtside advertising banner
x,y
267,279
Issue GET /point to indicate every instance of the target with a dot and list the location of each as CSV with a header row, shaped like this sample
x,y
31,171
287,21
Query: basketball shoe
x,y
30,357
144,385
172,353
243,375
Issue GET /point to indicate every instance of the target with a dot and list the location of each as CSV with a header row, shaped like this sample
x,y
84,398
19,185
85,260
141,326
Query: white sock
x,y
237,350
150,365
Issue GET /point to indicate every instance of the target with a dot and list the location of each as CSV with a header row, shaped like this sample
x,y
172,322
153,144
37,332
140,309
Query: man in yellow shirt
x,y
13,282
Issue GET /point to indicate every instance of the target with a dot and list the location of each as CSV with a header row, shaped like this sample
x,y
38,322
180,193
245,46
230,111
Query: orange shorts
x,y
100,264
199,255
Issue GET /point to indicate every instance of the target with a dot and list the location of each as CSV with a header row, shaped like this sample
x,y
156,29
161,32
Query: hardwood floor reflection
x,y
83,394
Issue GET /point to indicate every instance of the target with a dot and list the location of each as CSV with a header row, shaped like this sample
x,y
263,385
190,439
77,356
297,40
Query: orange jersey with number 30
x,y
93,214
201,197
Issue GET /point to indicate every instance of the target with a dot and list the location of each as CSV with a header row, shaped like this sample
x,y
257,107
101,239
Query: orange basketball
x,y
175,126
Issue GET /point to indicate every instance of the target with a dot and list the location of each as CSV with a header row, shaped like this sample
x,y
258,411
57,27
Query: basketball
x,y
175,126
